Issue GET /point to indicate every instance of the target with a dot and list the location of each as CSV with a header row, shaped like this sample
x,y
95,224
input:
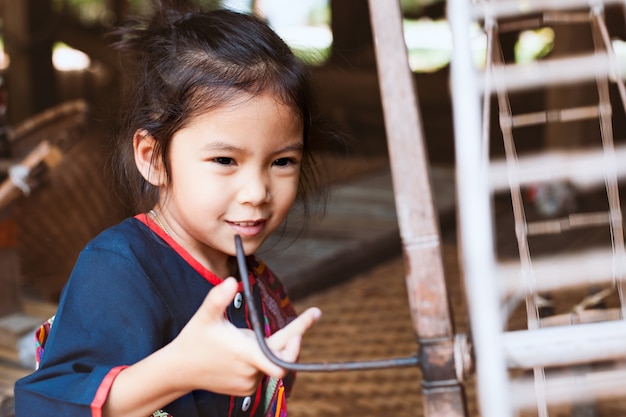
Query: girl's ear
x,y
148,162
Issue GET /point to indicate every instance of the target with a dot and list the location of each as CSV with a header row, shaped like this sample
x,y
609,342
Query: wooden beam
x,y
352,34
417,217
28,36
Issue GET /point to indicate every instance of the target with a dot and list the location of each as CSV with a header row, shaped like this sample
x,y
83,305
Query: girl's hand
x,y
209,353
212,354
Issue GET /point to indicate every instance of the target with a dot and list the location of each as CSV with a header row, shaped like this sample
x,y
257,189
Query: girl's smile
x,y
248,228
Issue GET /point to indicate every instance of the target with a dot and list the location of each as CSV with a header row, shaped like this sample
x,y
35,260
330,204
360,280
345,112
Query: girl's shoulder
x,y
131,239
129,231
129,262
124,252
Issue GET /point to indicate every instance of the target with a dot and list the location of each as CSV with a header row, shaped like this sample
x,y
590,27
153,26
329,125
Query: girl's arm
x,y
194,360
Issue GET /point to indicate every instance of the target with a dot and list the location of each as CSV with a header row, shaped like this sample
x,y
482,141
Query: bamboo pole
x,y
476,229
584,169
559,273
583,316
565,345
515,77
571,386
511,8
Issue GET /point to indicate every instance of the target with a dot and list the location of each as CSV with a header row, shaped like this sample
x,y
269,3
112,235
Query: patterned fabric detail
x,y
281,406
275,401
277,307
41,336
161,413
271,387
277,313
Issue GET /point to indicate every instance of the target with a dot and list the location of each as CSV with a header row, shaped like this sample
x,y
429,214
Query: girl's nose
x,y
255,191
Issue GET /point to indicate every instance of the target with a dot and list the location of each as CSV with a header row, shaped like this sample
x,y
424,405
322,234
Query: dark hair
x,y
192,61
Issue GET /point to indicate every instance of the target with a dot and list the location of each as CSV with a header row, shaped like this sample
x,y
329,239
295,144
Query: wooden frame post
x,y
418,220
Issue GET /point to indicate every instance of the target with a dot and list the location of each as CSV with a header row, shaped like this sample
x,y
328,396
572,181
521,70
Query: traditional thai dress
x,y
131,292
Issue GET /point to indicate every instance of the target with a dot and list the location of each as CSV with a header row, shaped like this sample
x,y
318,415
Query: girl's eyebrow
x,y
219,146
223,146
298,146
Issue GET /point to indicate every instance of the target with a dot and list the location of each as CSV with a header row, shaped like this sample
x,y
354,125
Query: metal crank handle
x,y
307,367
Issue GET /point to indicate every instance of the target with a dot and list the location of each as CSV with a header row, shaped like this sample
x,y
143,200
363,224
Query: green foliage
x,y
312,56
96,11
87,11
533,45
320,15
415,6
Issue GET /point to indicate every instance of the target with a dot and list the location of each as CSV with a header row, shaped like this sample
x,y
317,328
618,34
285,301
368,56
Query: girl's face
x,y
234,170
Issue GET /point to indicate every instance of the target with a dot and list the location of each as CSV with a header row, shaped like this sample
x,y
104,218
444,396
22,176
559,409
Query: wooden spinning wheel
x,y
569,357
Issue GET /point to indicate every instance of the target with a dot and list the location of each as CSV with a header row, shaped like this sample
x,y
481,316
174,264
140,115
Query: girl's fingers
x,y
285,343
291,351
296,328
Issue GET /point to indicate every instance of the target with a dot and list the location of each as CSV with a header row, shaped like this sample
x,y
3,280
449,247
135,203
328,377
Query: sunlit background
x,y
305,26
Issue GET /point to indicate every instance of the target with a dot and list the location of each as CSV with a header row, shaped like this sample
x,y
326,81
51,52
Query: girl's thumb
x,y
218,299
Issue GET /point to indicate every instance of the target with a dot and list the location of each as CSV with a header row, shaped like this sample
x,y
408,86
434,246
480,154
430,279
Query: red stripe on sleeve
x,y
103,391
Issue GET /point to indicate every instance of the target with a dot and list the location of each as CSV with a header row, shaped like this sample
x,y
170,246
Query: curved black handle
x,y
309,367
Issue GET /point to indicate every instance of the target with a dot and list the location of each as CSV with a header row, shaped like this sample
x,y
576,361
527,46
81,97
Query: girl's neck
x,y
228,269
233,269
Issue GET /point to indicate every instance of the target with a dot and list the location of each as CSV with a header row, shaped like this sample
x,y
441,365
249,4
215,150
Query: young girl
x,y
217,145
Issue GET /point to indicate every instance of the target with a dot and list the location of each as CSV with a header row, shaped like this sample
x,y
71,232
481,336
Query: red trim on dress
x,y
201,269
257,398
231,406
103,391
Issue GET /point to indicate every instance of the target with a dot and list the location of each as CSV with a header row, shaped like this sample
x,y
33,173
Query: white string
x,y
18,175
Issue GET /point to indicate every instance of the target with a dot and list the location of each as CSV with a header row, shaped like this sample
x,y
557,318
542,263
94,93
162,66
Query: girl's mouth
x,y
246,224
248,228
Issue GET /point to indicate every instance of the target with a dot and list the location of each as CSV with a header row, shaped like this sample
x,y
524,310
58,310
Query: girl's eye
x,y
283,162
224,160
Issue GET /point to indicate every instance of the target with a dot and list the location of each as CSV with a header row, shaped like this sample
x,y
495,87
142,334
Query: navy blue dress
x,y
131,292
